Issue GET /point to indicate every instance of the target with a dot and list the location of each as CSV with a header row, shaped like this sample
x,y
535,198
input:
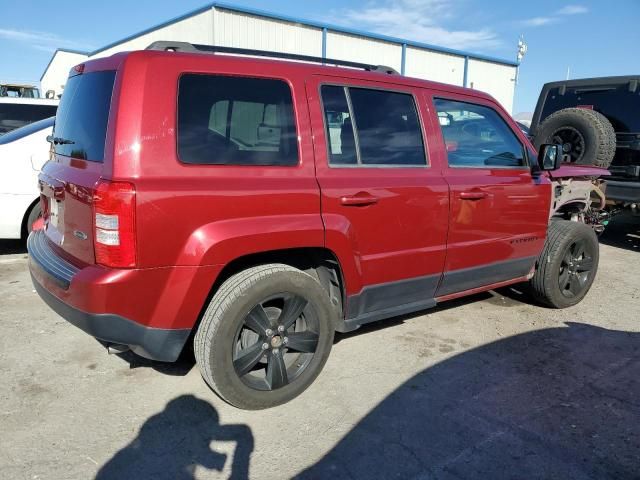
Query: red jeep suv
x,y
256,206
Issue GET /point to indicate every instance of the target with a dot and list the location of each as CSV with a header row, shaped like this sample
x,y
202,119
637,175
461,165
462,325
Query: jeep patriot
x,y
256,206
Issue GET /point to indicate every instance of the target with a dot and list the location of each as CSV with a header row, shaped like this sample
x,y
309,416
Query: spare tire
x,y
586,136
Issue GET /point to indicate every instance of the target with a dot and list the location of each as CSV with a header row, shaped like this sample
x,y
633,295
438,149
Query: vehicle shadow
x,y
554,403
623,232
12,247
179,368
171,444
393,321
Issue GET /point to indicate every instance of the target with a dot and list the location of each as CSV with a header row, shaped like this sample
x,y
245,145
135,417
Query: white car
x,y
23,152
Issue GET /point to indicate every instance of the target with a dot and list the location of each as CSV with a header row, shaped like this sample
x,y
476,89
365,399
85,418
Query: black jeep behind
x,y
597,120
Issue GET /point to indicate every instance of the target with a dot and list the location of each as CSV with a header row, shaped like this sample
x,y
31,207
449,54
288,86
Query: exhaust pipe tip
x,y
115,348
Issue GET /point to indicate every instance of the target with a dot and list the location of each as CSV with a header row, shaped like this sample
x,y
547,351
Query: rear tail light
x,y
114,207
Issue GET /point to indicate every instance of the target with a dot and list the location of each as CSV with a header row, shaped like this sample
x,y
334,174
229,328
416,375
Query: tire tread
x,y
559,232
213,317
606,134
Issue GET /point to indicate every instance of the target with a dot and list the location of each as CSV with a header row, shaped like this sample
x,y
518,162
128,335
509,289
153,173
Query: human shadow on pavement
x,y
171,444
558,403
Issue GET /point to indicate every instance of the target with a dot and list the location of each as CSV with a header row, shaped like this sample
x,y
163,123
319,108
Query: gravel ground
x,y
490,386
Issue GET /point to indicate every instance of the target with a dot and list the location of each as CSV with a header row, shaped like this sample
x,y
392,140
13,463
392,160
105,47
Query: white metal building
x,y
231,26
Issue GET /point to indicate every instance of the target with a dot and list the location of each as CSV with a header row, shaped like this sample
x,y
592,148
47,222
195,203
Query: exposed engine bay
x,y
580,199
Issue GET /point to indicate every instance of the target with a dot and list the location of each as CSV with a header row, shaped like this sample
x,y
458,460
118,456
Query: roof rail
x,y
168,46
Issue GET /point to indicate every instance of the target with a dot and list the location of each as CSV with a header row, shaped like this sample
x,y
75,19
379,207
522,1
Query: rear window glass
x,y
235,121
616,102
81,122
16,115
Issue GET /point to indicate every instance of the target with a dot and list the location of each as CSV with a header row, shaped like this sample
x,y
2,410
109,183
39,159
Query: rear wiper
x,y
59,140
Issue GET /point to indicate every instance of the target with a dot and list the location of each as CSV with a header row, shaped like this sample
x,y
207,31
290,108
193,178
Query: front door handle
x,y
360,199
473,195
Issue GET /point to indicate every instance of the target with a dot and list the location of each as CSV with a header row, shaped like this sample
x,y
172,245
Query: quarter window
x,y
372,127
235,121
477,136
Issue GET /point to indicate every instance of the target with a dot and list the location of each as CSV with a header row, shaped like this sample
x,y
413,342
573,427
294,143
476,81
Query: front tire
x,y
567,265
265,336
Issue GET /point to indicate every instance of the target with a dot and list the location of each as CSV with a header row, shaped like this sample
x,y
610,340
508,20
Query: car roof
x,y
277,64
632,80
593,81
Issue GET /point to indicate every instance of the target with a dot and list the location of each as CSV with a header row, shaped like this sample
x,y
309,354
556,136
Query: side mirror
x,y
550,156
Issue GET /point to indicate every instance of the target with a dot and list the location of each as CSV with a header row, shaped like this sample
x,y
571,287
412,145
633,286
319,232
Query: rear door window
x,y
372,127
235,121
477,136
339,126
16,115
81,122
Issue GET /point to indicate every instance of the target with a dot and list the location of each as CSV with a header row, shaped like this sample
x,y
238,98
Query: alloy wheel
x,y
572,141
276,342
575,269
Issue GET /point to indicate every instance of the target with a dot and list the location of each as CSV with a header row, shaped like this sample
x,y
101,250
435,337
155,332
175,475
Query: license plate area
x,y
54,212
54,224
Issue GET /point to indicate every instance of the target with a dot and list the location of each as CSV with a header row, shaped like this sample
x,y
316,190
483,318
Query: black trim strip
x,y
386,300
41,253
475,277
384,296
351,324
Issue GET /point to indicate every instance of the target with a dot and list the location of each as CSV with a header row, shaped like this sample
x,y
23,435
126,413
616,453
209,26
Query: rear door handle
x,y
359,199
473,195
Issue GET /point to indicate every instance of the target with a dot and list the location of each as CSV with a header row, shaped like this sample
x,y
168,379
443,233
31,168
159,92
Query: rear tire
x,y
588,138
243,355
567,265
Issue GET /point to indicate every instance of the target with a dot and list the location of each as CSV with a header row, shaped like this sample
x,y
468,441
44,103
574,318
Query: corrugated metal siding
x,y
220,26
497,80
365,50
233,29
196,29
434,66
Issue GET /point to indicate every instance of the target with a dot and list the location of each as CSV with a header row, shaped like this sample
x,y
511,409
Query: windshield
x,y
81,122
22,132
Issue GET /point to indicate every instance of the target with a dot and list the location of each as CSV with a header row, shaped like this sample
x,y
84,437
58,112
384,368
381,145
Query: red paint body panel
x,y
154,297
403,235
192,220
508,217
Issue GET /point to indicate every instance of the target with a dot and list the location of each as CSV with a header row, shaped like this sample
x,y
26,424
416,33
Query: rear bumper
x,y
152,310
153,343
623,191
